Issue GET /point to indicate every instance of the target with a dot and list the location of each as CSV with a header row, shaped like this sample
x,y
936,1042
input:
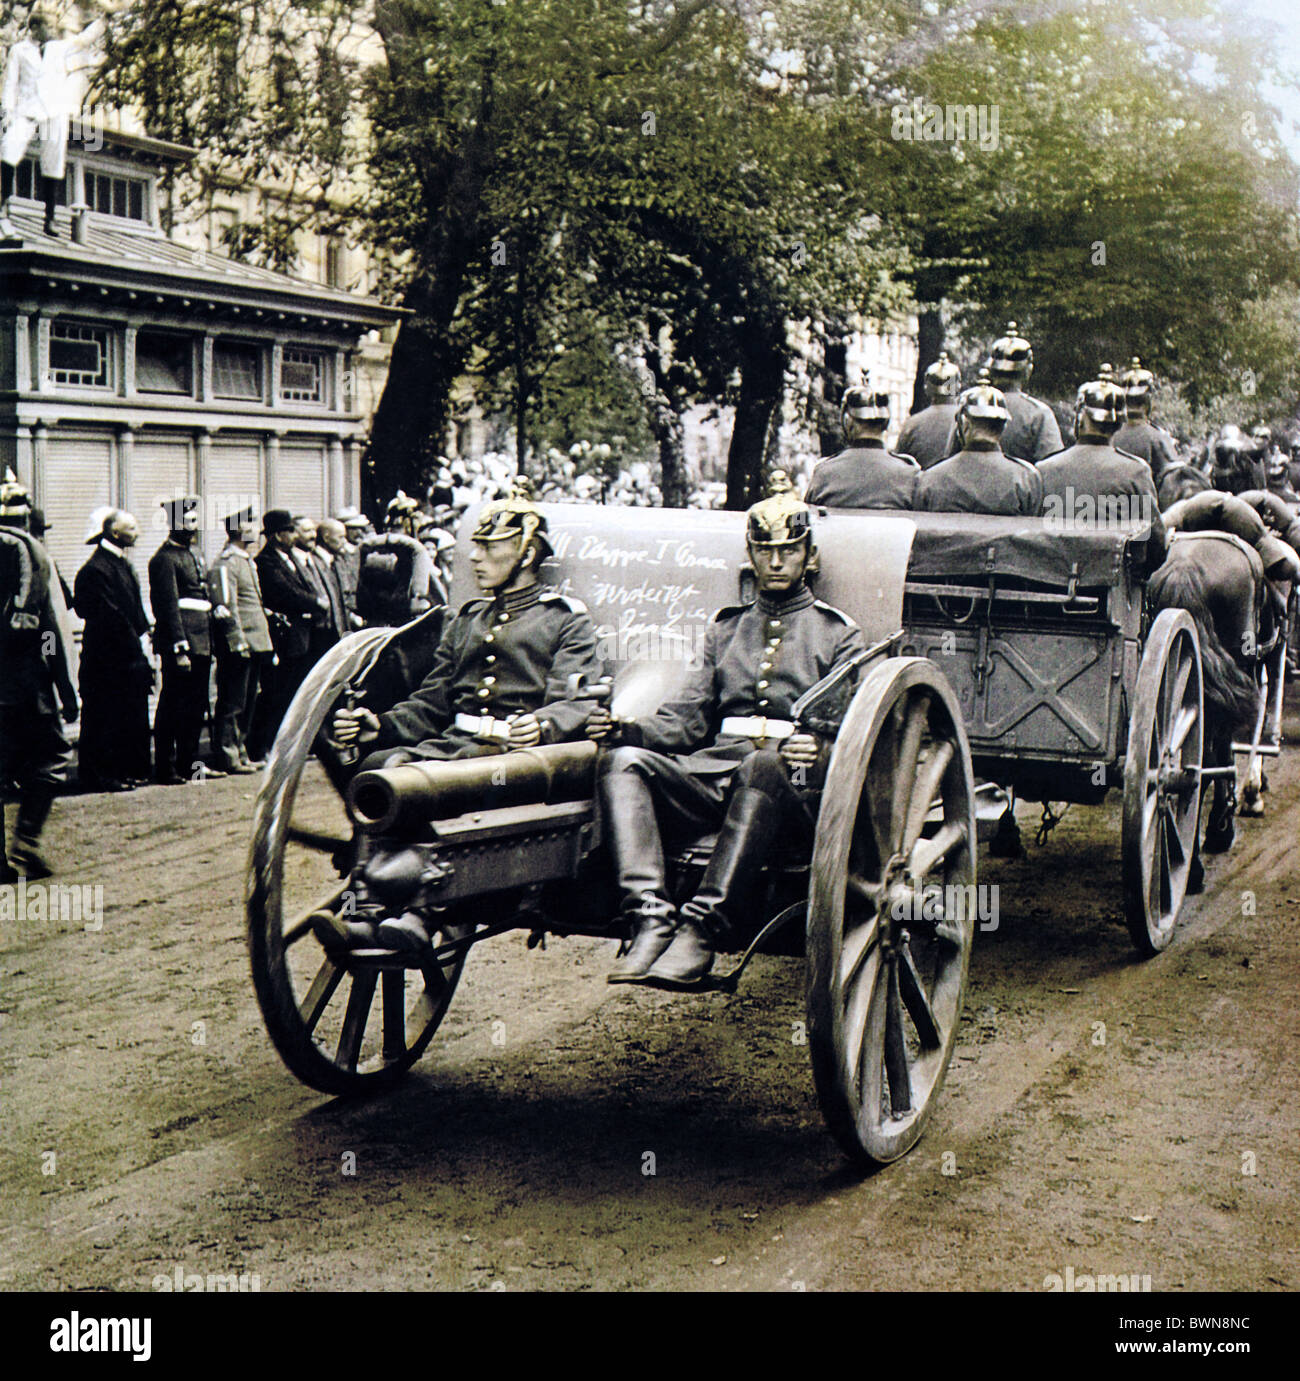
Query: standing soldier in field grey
x,y
925,434
864,474
1139,436
35,681
243,641
981,478
1031,432
182,638
116,675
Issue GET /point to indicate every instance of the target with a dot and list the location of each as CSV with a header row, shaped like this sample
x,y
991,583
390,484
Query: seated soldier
x,y
979,478
723,751
864,474
1092,484
1139,436
499,678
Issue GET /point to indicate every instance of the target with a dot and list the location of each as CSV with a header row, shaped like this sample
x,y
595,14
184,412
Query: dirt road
x,y
1103,1114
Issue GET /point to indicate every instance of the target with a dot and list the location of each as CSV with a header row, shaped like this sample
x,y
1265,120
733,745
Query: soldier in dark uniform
x,y
1139,436
1031,432
864,474
182,638
35,681
1092,482
116,675
925,434
980,478
499,678
723,752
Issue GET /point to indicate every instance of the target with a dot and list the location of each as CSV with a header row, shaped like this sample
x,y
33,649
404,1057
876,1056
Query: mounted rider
x,y
980,478
925,434
864,474
724,751
1139,436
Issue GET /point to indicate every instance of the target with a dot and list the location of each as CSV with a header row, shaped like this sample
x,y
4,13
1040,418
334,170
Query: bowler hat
x,y
277,520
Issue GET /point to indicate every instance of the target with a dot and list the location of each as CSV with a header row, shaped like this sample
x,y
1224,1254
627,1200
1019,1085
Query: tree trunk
x,y
929,339
762,380
664,411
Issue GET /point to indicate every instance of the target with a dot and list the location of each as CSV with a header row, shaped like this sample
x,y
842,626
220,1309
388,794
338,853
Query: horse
x,y
1219,581
1180,481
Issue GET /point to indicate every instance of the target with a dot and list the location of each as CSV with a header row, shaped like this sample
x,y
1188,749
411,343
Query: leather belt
x,y
484,726
197,606
756,726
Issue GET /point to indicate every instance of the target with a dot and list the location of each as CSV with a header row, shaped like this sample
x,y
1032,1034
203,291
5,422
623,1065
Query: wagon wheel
x,y
1162,780
322,1014
887,951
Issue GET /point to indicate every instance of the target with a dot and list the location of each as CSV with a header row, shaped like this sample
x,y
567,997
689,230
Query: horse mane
x,y
1230,693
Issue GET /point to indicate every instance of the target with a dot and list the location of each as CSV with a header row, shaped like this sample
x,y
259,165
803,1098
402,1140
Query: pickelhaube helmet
x,y
983,402
865,404
1101,401
1012,354
1262,435
780,518
15,498
517,516
1138,382
942,377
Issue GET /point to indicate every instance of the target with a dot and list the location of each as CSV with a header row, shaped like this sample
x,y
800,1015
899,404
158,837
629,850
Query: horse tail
x,y
1230,693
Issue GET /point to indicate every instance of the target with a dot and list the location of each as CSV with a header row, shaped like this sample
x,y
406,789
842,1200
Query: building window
x,y
27,183
302,376
163,363
79,355
111,195
334,263
236,370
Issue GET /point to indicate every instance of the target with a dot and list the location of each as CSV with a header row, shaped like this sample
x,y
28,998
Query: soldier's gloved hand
x,y
525,731
799,750
354,726
600,724
322,603
70,711
183,662
221,613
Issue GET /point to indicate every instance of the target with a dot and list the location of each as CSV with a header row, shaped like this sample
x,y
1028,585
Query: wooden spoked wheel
x,y
341,1025
892,910
1162,780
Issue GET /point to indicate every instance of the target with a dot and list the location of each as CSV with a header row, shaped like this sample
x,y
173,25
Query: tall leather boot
x,y
744,841
639,865
33,811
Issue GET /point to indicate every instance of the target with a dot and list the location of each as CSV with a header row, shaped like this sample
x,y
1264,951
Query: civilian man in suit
x,y
329,624
333,547
182,638
244,652
291,604
116,674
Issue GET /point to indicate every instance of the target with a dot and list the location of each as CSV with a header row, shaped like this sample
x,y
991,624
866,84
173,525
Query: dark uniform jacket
x,y
510,655
175,576
32,622
1148,442
757,659
980,482
288,599
1032,433
864,475
107,597
925,434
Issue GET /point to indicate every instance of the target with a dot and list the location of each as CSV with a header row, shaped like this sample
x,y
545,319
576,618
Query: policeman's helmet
x,y
517,516
15,498
1012,354
781,518
1102,402
942,378
864,405
982,403
1138,382
1261,436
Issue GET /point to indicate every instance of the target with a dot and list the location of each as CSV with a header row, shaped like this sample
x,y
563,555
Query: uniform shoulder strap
x,y
574,606
834,612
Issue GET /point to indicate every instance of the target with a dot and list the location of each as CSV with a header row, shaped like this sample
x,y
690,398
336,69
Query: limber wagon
x,y
997,640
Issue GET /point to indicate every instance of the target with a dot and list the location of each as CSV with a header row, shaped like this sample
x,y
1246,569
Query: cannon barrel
x,y
436,789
